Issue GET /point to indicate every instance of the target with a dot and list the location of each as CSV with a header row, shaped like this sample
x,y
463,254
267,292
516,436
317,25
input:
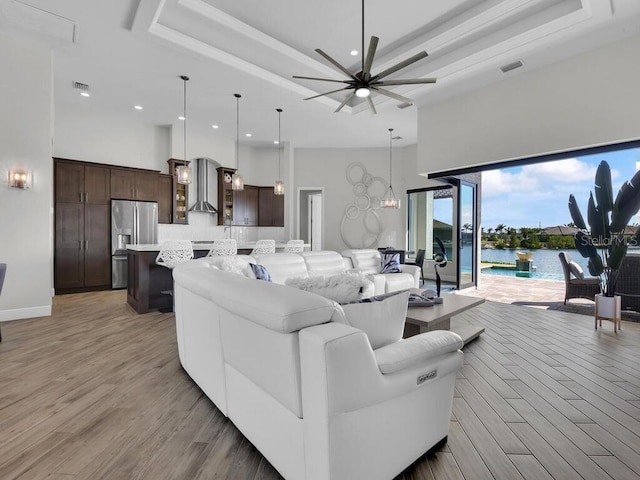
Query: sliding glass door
x,y
447,213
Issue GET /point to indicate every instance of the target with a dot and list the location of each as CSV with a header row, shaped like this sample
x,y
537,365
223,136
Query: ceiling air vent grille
x,y
404,105
81,86
511,66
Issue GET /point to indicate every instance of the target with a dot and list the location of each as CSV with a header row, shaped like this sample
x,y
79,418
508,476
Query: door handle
x,y
86,244
80,244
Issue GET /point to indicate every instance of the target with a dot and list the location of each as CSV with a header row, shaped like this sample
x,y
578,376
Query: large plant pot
x,y
608,308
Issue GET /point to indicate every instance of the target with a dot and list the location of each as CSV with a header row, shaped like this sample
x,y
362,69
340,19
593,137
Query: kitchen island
x,y
146,281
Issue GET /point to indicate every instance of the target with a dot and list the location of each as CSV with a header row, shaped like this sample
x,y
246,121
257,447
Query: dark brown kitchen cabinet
x,y
132,185
179,194
245,206
78,183
165,194
82,252
270,208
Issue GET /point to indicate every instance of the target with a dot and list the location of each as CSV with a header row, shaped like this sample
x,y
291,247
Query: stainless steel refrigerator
x,y
131,223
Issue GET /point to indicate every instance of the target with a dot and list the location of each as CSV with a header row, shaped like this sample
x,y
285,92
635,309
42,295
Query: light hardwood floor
x,y
97,392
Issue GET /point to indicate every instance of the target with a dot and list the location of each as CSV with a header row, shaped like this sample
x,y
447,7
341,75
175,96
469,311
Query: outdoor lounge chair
x,y
576,284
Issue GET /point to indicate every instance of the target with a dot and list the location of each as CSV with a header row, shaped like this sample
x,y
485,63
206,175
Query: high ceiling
x,y
132,52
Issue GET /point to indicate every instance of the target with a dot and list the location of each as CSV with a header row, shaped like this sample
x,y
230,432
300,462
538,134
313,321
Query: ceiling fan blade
x,y
321,79
373,45
327,93
401,65
371,105
412,81
336,64
346,100
393,95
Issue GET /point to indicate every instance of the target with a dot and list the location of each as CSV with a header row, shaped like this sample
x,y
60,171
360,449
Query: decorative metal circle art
x,y
361,225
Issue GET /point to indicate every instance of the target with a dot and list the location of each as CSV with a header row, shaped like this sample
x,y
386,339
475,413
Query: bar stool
x,y
174,252
294,246
264,246
223,247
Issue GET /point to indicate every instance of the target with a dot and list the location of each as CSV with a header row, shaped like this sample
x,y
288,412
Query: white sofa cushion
x,y
282,266
324,262
341,288
367,260
381,318
415,350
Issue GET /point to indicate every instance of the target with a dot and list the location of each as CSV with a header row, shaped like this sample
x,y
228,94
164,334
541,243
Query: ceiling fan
x,y
363,83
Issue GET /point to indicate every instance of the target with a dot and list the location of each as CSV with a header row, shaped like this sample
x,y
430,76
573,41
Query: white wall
x,y
26,241
327,168
588,100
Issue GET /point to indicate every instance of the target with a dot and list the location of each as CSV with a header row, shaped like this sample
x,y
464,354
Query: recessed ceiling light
x,y
85,94
248,134
354,53
138,107
214,126
180,117
276,142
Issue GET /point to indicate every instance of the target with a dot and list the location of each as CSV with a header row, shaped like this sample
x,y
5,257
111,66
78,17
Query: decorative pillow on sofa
x,y
235,264
340,288
381,317
576,270
390,263
260,272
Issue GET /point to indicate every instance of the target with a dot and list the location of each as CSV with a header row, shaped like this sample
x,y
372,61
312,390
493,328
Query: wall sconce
x,y
19,179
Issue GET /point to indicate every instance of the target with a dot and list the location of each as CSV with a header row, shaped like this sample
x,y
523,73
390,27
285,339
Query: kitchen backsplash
x,y
203,226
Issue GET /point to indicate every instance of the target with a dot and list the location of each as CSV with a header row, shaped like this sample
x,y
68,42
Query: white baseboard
x,y
20,313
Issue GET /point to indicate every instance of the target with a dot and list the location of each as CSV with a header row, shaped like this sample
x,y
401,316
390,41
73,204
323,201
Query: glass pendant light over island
x,y
237,181
278,187
390,200
183,172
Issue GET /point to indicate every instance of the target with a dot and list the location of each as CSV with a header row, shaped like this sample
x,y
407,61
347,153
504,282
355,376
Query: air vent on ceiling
x,y
511,66
81,86
402,106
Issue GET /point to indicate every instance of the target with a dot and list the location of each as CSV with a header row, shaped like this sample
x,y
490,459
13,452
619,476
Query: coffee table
x,y
439,317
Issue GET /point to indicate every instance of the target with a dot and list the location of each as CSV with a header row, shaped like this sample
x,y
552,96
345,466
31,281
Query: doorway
x,y
311,216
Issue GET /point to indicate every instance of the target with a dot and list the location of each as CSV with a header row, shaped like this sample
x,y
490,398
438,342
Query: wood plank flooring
x,y
97,392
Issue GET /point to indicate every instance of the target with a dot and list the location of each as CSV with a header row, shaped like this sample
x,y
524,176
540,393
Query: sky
x,y
538,195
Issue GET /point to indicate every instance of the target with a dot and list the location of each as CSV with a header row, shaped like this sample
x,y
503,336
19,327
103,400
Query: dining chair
x,y
264,246
223,247
294,246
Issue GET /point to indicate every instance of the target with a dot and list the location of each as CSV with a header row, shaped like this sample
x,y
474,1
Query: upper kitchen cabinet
x,y
245,206
127,184
179,194
79,183
270,208
165,192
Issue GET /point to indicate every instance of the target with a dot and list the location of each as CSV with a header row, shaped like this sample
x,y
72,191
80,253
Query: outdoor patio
x,y
537,293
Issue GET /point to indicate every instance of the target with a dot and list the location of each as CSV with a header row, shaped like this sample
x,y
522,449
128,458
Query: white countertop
x,y
155,247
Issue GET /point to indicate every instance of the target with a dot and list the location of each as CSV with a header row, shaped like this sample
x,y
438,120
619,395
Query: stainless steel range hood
x,y
202,189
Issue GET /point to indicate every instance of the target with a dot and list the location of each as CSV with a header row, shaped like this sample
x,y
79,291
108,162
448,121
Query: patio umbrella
x,y
559,230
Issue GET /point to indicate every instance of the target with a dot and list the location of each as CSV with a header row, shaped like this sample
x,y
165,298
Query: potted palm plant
x,y
604,242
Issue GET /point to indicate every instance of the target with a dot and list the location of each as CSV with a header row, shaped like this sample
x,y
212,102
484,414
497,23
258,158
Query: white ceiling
x,y
133,52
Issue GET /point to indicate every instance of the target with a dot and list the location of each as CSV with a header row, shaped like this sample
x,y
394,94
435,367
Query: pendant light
x,y
278,187
183,172
237,181
390,200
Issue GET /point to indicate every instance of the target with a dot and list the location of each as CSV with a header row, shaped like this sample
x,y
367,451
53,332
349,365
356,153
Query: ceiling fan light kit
x,y
362,84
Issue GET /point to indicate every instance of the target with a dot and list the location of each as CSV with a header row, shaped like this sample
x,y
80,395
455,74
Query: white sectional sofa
x,y
368,261
304,387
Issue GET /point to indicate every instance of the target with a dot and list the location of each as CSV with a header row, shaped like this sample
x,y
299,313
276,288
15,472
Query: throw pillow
x,y
390,263
343,287
260,272
235,264
576,270
381,318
